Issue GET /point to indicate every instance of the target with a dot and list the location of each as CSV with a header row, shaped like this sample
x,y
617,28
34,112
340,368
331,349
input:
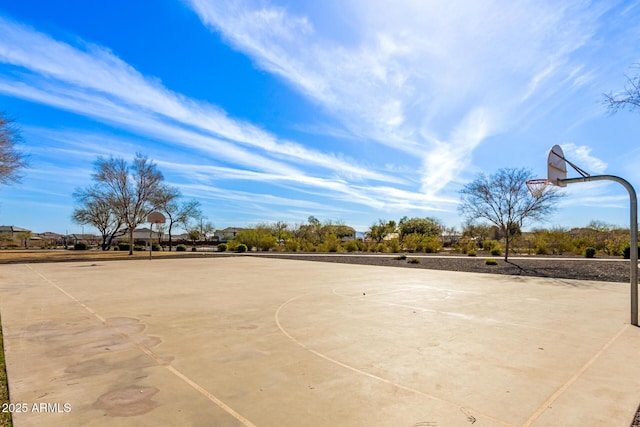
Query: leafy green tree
x,y
425,226
378,231
478,232
194,235
259,237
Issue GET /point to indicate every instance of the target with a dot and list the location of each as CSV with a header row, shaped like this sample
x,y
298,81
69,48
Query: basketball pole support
x,y
633,249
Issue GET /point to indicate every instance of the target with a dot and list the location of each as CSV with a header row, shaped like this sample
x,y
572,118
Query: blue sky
x,y
347,110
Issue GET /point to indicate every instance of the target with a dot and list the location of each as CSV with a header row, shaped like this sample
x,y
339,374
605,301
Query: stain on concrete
x,y
128,401
95,348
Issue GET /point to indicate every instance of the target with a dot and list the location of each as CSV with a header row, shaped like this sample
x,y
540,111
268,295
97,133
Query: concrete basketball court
x,y
270,342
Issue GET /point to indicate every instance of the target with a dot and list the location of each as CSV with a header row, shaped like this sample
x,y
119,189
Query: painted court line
x,y
463,409
151,354
574,378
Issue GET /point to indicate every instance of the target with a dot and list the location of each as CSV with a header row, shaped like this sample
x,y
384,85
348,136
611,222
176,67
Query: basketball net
x,y
537,186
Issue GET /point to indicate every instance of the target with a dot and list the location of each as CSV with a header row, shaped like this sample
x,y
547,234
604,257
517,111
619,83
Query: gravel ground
x,y
600,269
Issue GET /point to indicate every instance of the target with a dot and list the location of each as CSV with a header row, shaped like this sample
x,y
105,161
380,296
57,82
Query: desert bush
x,y
222,247
472,252
465,245
393,245
156,247
292,245
351,246
413,260
495,251
241,248
626,252
580,244
490,261
80,246
400,257
431,244
181,248
123,246
412,242
590,252
138,248
194,249
331,243
541,249
488,245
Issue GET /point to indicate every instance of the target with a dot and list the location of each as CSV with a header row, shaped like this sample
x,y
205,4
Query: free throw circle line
x,y
463,409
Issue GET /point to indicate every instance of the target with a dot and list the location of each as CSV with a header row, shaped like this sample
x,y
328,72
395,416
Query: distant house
x,y
89,239
51,239
12,230
139,235
391,236
228,233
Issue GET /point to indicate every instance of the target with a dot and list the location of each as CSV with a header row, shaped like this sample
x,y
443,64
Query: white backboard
x,y
556,166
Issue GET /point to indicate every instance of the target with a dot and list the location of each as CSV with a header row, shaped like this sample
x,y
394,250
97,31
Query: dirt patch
x,y
606,270
59,255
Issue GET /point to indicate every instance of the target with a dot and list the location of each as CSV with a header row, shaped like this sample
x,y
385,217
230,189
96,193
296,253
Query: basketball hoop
x,y
536,187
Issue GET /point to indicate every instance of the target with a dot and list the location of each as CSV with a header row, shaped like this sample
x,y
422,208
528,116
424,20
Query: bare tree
x,y
628,98
11,160
129,190
96,211
504,200
176,213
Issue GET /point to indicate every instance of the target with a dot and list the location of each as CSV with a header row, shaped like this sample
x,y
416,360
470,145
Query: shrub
x,y
123,246
351,246
222,247
193,249
413,260
495,251
393,245
488,245
380,247
181,248
80,246
400,257
156,247
626,252
590,252
471,253
490,261
292,245
138,248
431,244
241,248
541,250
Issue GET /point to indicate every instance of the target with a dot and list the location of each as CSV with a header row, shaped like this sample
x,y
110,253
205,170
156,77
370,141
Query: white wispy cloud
x,y
431,79
580,155
95,82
